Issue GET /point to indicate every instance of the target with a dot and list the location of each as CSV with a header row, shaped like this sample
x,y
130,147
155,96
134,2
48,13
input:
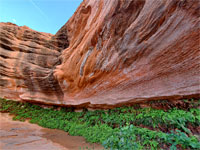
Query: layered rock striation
x,y
109,53
27,61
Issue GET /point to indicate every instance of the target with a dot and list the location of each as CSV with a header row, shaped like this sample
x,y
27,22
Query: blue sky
x,y
41,15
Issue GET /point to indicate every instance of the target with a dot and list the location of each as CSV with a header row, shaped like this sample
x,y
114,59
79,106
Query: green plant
x,y
119,128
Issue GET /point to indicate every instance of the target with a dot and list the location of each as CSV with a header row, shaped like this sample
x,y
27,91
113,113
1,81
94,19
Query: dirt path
x,y
16,135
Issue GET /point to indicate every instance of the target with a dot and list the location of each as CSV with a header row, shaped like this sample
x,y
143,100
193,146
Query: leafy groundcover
x,y
123,128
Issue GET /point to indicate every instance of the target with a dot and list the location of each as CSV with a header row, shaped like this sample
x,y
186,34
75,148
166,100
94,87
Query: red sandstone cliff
x,y
110,52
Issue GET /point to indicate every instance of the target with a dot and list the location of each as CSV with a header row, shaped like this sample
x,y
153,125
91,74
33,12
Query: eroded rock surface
x,y
27,61
110,52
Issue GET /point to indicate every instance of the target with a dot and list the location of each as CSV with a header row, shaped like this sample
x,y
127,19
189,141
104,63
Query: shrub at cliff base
x,y
124,128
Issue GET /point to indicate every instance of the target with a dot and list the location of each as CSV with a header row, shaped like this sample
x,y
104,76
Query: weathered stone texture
x,y
110,52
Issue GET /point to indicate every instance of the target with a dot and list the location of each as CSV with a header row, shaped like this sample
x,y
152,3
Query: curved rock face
x,y
109,53
27,61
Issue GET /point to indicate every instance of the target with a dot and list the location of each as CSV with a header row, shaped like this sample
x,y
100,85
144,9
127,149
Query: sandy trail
x,y
16,135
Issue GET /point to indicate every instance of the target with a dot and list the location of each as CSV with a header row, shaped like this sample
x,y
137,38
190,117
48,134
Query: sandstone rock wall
x,y
27,61
110,52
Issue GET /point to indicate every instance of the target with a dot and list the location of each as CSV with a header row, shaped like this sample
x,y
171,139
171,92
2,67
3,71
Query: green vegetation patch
x,y
119,128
